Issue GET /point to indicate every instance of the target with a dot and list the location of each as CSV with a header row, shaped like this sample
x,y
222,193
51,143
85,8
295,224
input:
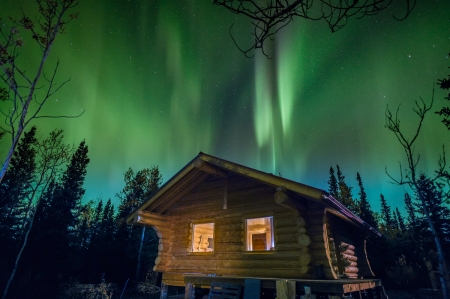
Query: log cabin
x,y
218,219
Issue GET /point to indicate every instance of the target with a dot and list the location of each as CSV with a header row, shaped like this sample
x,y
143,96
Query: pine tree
x,y
435,198
139,186
395,224
15,186
400,220
365,211
386,213
410,209
55,232
333,187
345,193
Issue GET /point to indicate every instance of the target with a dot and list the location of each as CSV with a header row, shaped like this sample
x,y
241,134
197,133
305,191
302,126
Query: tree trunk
x,y
138,267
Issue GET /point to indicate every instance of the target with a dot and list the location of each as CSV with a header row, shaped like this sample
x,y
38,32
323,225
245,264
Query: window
x,y
203,237
259,234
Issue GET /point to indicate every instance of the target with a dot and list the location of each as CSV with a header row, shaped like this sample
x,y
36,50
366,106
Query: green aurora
x,y
162,80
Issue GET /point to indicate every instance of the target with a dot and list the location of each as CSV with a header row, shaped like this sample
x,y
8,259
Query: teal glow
x,y
161,81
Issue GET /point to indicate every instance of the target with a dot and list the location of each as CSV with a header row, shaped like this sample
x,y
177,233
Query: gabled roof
x,y
204,165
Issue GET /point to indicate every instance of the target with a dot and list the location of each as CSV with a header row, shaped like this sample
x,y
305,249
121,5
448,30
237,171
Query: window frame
x,y
272,248
191,237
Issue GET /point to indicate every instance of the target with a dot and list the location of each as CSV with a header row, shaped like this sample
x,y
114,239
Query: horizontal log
x,y
304,240
348,252
317,238
283,199
289,230
294,221
286,238
301,272
287,213
289,246
347,246
250,264
351,270
349,257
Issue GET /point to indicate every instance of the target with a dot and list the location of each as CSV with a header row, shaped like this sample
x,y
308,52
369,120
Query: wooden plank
x,y
189,291
221,290
285,289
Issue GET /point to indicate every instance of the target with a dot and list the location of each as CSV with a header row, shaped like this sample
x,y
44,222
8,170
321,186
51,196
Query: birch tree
x,y
23,90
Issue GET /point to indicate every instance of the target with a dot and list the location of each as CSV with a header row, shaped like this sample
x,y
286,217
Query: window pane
x,y
259,233
203,237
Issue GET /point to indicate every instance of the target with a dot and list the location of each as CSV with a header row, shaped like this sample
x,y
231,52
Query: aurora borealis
x,y
162,80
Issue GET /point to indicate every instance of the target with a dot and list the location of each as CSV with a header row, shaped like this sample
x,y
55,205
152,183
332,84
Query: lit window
x,y
203,237
259,234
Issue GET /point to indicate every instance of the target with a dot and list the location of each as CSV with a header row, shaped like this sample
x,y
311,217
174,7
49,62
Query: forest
x,y
51,239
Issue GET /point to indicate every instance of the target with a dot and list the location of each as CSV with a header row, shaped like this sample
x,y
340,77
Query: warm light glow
x,y
203,237
259,234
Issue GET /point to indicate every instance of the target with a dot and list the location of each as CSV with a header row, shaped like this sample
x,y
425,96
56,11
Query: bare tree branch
x,y
20,93
268,17
411,177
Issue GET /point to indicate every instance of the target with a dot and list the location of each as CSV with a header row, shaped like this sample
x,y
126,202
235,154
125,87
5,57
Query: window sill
x,y
260,252
201,253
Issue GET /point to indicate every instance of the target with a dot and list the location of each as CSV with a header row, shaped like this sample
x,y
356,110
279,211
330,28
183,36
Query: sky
x,y
160,81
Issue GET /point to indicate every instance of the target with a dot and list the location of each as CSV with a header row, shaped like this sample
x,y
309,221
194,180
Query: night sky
x,y
162,80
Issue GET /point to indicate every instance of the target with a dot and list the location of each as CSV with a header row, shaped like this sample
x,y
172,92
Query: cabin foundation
x,y
318,288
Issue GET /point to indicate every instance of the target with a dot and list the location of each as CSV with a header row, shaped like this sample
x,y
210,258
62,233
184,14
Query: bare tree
x,y
20,89
410,175
269,16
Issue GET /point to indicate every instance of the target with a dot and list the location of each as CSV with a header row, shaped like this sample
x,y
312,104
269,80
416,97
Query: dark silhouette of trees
x,y
53,237
268,17
365,211
410,176
386,214
445,111
333,187
20,101
139,186
45,159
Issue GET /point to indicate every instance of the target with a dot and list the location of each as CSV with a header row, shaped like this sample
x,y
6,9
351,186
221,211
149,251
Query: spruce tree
x,y
139,186
15,187
365,211
333,187
400,220
386,213
54,236
410,209
345,193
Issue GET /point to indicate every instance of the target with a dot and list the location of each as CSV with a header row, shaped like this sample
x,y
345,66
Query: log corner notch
x,y
282,198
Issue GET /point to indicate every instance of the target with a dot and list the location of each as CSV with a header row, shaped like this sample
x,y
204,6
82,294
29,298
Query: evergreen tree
x,y
395,224
345,193
400,220
410,209
445,111
435,197
15,186
386,213
333,187
139,186
365,211
55,232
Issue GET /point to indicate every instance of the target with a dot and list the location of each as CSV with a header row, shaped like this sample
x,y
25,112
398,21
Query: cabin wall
x,y
309,241
245,199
